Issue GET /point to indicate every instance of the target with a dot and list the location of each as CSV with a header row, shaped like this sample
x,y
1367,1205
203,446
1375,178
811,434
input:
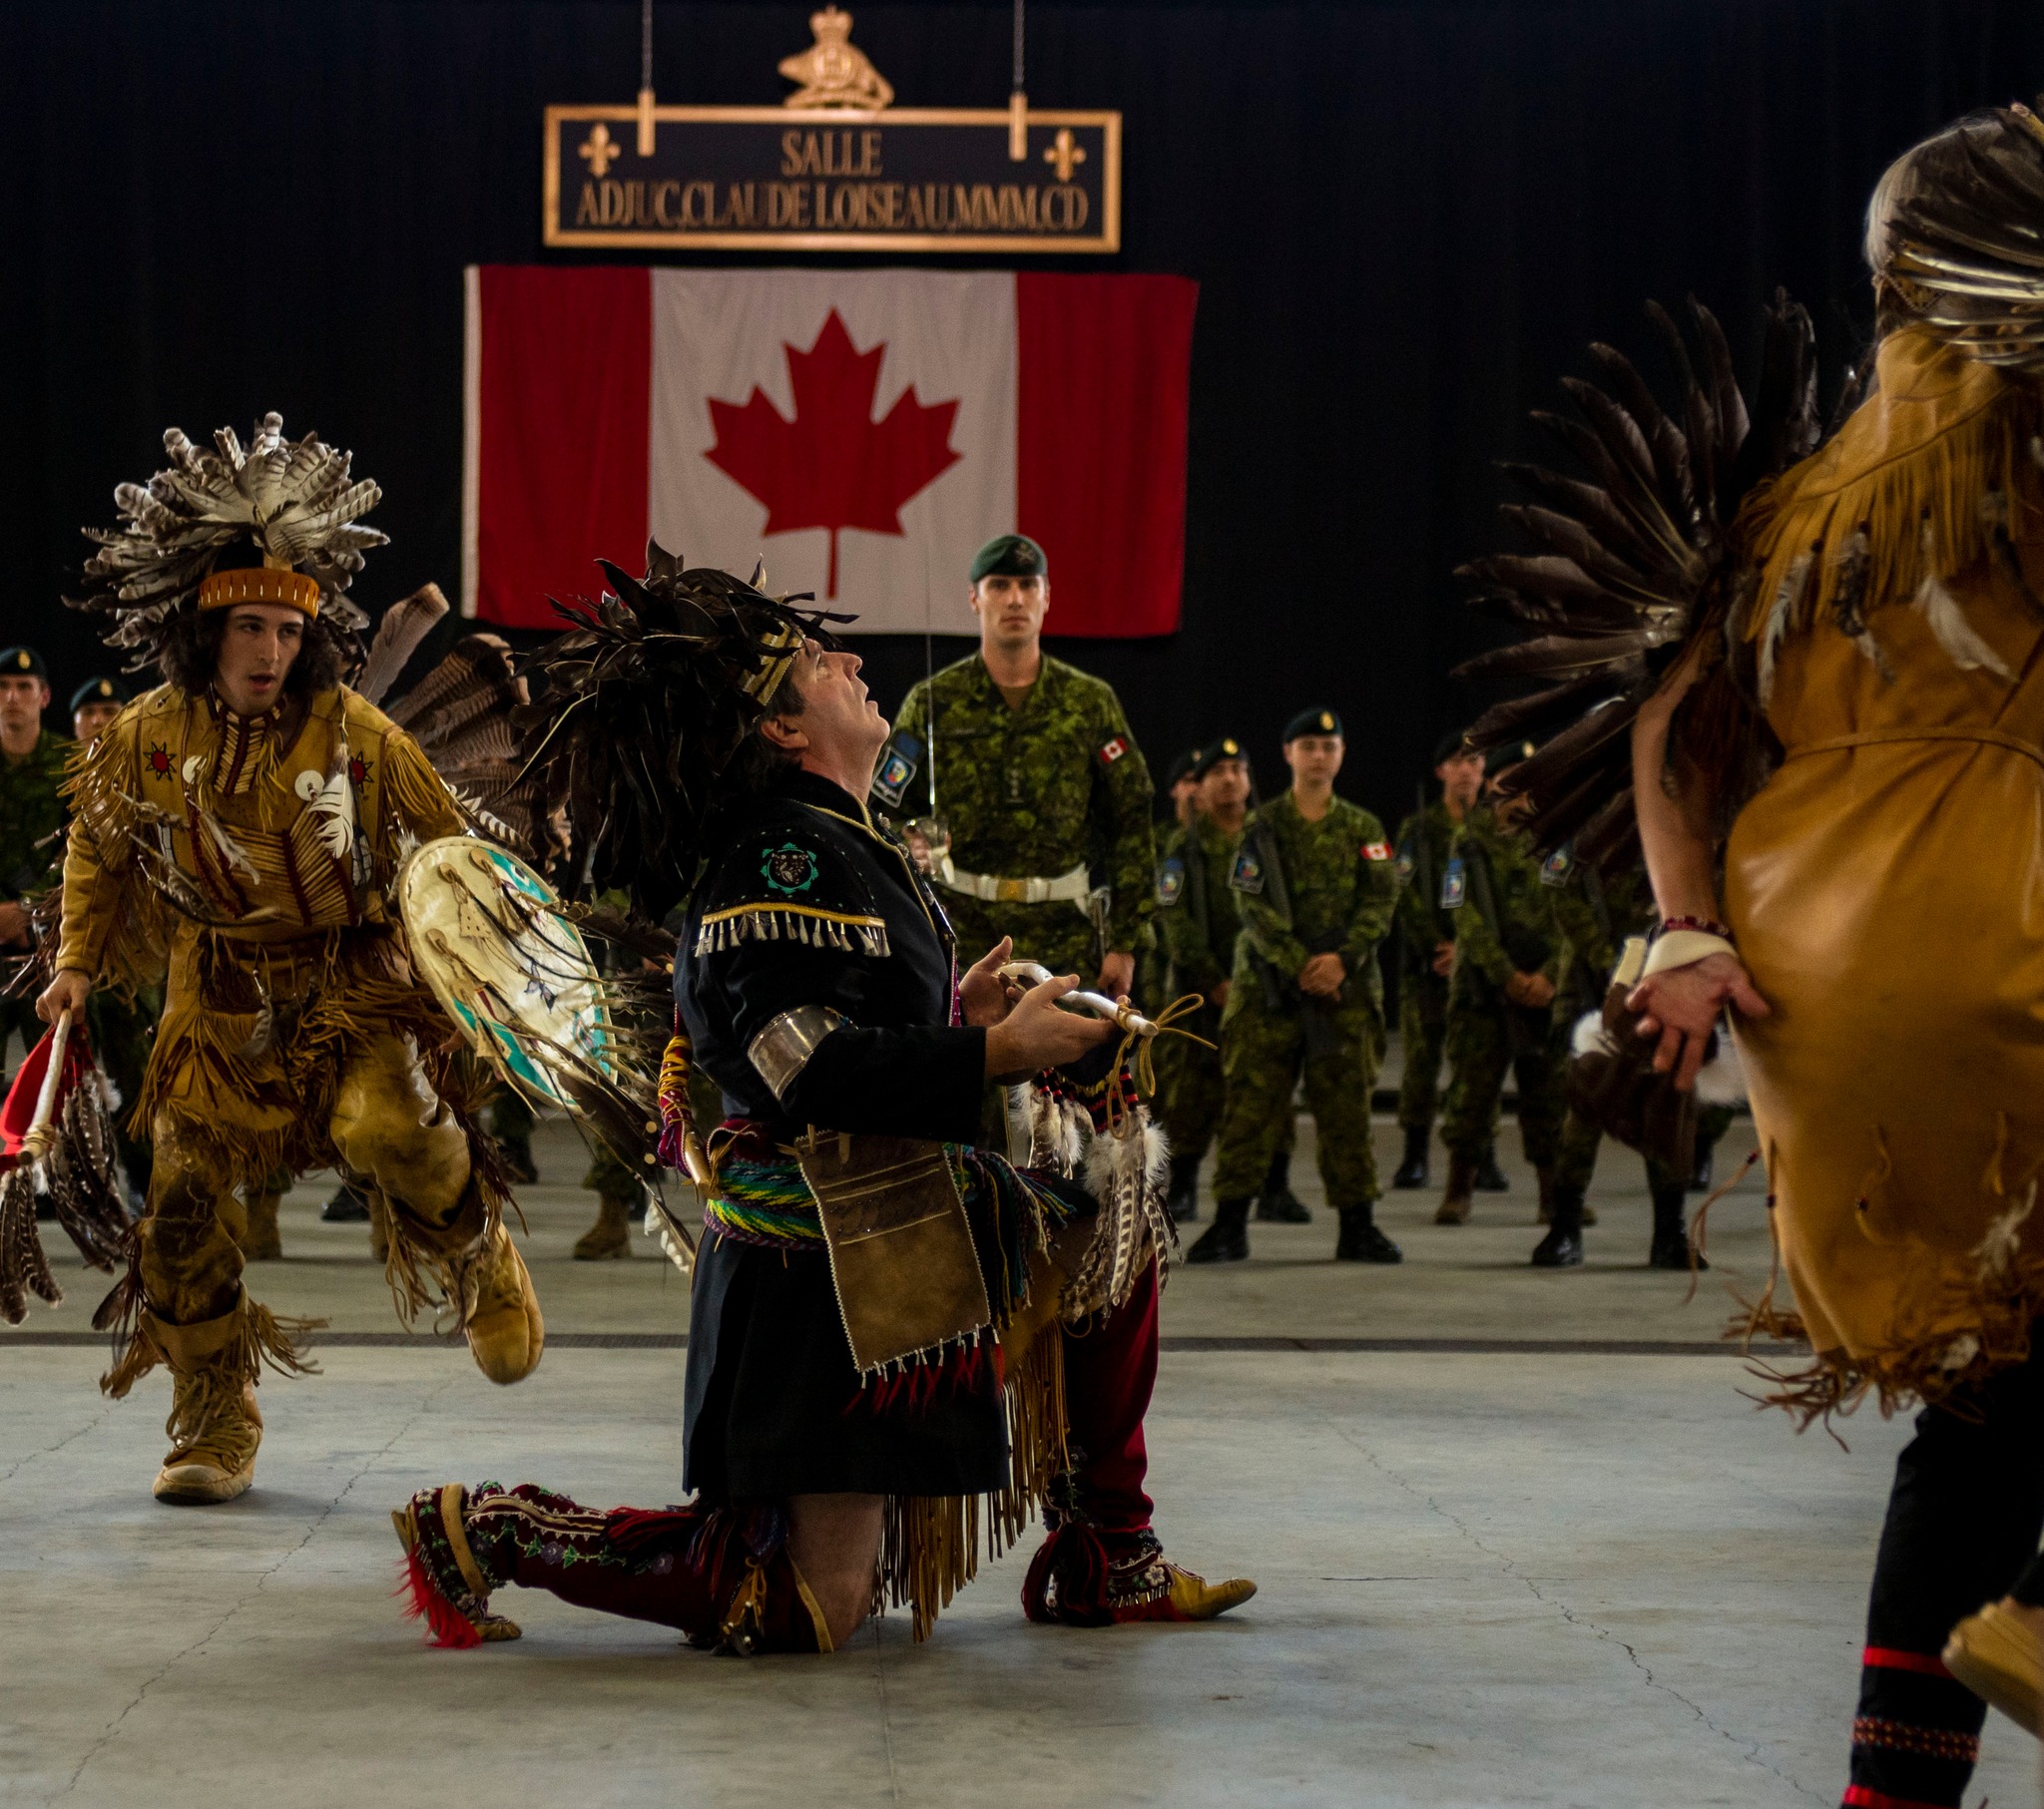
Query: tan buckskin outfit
x,y
1886,885
255,858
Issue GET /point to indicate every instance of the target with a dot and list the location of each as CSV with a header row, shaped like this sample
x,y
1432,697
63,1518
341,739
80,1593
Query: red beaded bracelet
x,y
1703,924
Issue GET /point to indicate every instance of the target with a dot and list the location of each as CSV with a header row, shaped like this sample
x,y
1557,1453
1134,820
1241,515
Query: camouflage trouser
x,y
122,1032
1479,1048
1576,1164
1192,1091
1422,1028
1262,1052
1058,935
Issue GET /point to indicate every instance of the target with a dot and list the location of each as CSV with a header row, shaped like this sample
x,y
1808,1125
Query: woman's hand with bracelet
x,y
1682,1006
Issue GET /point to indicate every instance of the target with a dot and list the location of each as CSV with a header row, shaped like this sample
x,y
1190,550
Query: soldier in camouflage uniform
x,y
1597,913
1510,960
1315,885
1038,782
1426,946
31,816
1196,910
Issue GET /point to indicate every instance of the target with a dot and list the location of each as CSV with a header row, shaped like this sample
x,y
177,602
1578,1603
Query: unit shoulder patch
x,y
1171,882
1376,850
1554,870
1111,749
1247,875
899,766
1454,884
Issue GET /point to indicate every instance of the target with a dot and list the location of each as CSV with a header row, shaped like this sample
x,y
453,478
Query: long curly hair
x,y
188,652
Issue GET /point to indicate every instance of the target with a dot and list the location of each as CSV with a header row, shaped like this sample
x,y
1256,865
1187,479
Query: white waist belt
x,y
1068,888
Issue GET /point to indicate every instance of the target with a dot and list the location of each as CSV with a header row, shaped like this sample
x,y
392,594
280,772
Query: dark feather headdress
x,y
641,711
1635,563
292,503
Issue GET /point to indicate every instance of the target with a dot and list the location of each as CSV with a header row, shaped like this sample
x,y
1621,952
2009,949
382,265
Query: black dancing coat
x,y
805,900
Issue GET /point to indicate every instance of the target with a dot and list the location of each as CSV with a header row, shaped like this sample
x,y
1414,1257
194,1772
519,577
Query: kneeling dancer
x,y
239,828
888,1324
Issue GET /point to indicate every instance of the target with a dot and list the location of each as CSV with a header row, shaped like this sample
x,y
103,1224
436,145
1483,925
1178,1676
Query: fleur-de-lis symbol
x,y
1063,152
601,151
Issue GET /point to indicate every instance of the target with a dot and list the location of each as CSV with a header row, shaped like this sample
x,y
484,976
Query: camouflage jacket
x,y
1507,922
31,813
1032,792
1314,888
1596,916
1197,907
1424,843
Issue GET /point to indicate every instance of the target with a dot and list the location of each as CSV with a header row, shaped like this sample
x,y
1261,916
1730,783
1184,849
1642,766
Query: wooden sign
x,y
837,169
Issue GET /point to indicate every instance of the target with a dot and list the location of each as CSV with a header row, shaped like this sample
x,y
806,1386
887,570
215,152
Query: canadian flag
x,y
864,433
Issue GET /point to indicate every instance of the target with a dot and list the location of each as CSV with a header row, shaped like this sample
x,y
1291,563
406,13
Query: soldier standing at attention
x,y
31,814
1315,885
1029,764
1427,942
1510,959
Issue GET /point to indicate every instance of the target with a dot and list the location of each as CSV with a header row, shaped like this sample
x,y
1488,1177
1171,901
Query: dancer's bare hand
x,y
1681,1006
66,993
1035,1034
983,995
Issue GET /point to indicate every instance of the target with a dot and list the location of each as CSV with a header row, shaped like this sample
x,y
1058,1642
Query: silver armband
x,y
782,1047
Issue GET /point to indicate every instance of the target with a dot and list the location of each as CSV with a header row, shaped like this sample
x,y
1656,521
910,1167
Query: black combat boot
x,y
1361,1240
1562,1247
1454,1206
1671,1248
1183,1199
1227,1239
347,1207
1276,1204
1412,1172
1490,1178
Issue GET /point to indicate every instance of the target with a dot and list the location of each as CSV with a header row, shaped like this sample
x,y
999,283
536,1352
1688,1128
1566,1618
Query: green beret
x,y
1510,754
1311,722
23,662
1010,556
98,691
1225,749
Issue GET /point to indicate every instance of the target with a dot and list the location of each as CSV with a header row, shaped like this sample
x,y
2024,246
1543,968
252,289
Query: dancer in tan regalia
x,y
239,827
1831,668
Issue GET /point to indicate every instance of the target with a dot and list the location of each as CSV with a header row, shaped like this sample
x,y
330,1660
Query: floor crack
x,y
1749,1749
248,1594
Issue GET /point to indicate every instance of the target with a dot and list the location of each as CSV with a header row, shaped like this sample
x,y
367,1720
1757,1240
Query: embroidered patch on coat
x,y
1454,885
1554,870
789,870
1113,750
1376,850
897,770
1171,882
1248,873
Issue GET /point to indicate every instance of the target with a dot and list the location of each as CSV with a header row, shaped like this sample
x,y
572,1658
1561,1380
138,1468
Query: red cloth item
x,y
19,1113
864,432
1110,1375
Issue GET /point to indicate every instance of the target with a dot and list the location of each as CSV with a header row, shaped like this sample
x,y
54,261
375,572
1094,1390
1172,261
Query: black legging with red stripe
x,y
1962,1528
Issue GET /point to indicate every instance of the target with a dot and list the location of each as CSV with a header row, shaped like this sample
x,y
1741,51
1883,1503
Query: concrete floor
x,y
1575,1569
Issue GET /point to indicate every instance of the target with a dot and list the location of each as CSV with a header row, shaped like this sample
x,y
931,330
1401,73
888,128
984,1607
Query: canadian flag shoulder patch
x,y
1376,850
1112,750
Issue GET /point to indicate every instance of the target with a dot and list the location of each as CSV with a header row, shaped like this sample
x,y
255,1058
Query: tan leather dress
x,y
1886,886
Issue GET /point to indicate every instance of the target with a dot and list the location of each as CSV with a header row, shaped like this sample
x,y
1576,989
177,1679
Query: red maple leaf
x,y
833,466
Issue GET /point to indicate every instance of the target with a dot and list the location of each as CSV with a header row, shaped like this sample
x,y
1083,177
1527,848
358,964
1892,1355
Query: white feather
x,y
1788,596
1959,639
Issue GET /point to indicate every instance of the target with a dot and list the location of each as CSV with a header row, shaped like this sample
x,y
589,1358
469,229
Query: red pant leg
x,y
1110,1374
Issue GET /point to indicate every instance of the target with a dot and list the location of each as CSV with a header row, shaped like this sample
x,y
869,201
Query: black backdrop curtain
x,y
1405,218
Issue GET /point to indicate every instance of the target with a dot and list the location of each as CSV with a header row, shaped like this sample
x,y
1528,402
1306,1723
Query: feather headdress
x,y
1956,231
292,503
1636,562
639,710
